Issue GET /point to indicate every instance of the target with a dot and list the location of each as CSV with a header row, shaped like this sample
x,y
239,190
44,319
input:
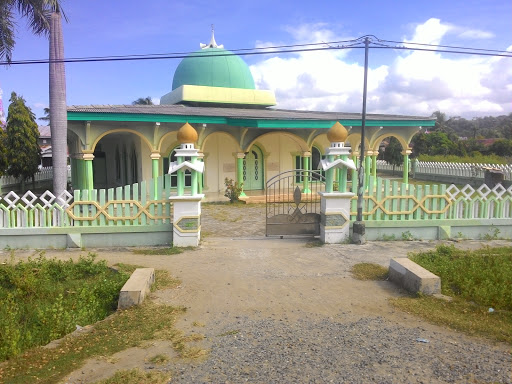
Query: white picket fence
x,y
44,174
467,170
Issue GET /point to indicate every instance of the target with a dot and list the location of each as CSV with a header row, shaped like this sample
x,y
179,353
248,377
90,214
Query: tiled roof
x,y
44,131
234,113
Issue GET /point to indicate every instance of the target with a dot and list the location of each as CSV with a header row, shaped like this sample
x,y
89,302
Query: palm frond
x,y
7,27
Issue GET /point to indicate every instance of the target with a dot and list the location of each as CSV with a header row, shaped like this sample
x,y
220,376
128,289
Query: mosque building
x,y
241,135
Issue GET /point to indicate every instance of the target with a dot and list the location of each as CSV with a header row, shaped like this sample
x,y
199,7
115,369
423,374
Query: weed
x,y
369,271
198,324
159,359
136,376
229,333
477,280
492,235
123,329
407,236
314,243
385,237
460,315
164,280
161,251
194,337
482,276
42,300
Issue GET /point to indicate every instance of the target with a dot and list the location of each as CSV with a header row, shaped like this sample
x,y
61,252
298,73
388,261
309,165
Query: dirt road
x,y
282,310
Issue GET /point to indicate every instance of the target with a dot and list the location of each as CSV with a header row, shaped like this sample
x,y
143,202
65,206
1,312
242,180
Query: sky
x,y
399,82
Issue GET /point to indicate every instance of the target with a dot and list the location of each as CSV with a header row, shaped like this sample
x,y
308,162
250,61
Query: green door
x,y
253,170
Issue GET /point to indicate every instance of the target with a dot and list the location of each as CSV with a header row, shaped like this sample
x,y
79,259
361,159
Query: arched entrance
x,y
254,175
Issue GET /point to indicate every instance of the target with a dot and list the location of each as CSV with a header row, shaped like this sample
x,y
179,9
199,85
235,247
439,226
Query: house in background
x,y
45,143
240,134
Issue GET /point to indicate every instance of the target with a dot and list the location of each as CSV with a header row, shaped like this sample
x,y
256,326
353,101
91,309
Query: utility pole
x,y
358,230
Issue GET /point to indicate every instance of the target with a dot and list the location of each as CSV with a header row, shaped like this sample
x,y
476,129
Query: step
x,y
134,291
413,277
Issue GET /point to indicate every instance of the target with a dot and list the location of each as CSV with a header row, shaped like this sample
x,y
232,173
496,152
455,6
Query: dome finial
x,y
213,43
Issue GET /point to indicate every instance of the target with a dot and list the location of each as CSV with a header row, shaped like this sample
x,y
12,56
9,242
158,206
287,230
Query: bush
x,y
42,300
483,276
233,189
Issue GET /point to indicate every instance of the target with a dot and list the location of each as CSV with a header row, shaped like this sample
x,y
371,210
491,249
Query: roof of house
x,y
44,131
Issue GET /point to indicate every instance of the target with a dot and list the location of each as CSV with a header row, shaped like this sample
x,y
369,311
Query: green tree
x,y
46,117
440,120
438,143
393,153
143,101
22,148
502,147
419,145
3,152
45,18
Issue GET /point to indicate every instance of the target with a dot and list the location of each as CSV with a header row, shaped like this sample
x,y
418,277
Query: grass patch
x,y
163,278
314,244
198,324
44,299
230,333
460,315
483,276
369,271
122,330
477,280
161,251
159,359
136,376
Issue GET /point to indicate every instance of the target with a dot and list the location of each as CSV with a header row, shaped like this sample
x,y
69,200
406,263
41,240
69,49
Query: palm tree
x,y
45,19
143,101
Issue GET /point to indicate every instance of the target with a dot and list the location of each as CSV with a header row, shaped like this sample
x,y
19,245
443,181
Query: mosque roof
x,y
213,66
168,112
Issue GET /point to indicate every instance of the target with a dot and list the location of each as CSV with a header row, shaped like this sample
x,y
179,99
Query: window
x,y
174,176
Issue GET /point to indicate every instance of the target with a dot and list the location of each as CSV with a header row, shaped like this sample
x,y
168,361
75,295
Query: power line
x,y
281,49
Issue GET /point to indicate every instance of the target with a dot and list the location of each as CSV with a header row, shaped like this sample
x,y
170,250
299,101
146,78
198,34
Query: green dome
x,y
204,68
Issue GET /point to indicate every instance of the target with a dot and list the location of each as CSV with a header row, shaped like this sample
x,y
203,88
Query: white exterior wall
x,y
279,152
220,151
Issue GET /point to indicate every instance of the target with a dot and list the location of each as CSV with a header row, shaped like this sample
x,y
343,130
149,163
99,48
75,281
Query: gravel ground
x,y
367,350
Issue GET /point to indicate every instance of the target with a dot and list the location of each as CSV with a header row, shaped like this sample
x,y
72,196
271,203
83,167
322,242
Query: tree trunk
x,y
58,113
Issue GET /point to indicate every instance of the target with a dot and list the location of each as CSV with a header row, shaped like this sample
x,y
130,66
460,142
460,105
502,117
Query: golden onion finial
x,y
187,134
337,133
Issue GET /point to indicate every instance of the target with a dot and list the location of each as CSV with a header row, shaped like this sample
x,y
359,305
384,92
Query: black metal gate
x,y
293,203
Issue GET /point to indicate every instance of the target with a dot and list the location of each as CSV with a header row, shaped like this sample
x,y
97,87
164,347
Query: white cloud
x,y
475,34
415,83
430,32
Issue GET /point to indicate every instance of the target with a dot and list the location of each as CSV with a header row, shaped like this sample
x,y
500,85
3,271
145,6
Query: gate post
x,y
186,219
335,206
335,217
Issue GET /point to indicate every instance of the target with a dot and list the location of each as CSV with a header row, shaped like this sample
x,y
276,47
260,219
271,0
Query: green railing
x,y
391,200
144,203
